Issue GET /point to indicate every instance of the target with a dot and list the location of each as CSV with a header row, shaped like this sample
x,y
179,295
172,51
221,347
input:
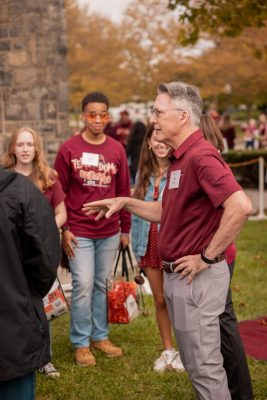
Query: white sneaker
x,y
177,363
50,371
164,362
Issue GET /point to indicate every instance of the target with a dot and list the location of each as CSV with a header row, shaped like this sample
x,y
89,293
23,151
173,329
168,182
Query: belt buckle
x,y
170,265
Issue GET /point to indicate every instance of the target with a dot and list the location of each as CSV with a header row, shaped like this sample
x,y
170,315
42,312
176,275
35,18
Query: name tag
x,y
175,179
90,159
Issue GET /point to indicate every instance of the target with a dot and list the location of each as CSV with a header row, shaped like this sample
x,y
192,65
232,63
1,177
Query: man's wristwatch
x,y
64,228
213,260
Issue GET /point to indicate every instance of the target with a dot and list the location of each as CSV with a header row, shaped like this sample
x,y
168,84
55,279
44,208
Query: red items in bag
x,y
122,302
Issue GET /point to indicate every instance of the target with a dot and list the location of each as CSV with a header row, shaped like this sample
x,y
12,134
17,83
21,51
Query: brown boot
x,y
84,357
107,347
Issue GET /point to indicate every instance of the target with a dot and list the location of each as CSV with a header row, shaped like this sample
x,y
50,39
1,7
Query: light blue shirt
x,y
140,227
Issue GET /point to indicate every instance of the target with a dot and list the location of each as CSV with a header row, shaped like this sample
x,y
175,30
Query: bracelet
x,y
208,260
65,228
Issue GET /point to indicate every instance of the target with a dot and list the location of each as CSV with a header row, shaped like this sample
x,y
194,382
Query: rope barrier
x,y
262,164
244,163
235,165
261,215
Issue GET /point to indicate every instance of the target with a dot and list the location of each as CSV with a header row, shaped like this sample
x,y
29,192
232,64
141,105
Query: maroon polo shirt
x,y
198,183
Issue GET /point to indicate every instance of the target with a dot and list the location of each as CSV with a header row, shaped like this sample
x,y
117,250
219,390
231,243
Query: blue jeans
x,y
90,269
18,389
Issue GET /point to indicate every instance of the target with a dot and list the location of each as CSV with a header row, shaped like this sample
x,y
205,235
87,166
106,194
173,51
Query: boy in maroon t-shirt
x,y
92,166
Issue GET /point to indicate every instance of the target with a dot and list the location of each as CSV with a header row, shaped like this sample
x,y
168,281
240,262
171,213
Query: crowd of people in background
x,y
254,131
235,135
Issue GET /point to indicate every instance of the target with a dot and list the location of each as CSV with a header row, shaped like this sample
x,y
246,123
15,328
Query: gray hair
x,y
186,96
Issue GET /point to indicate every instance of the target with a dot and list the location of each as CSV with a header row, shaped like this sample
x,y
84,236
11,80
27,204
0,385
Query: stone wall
x,y
33,70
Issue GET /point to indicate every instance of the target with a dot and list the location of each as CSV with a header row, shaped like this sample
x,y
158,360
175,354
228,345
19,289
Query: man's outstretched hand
x,y
104,208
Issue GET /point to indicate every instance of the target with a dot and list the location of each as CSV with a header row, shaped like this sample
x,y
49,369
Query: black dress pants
x,y
235,362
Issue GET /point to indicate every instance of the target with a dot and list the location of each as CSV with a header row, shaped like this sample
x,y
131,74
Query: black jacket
x,y
134,145
29,257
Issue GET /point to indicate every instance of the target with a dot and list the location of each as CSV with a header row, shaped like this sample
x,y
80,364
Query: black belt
x,y
169,266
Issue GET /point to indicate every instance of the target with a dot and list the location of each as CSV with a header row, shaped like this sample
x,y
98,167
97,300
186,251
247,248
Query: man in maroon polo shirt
x,y
202,212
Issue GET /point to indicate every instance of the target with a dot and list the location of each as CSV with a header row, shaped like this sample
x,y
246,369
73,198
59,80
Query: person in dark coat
x,y
228,131
30,255
123,128
134,145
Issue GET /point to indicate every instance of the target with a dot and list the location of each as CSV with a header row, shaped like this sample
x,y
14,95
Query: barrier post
x,y
261,215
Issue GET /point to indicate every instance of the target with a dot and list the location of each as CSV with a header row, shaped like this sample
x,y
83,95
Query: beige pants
x,y
194,312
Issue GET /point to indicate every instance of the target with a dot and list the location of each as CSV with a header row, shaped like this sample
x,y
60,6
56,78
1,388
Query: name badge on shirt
x,y
175,179
90,159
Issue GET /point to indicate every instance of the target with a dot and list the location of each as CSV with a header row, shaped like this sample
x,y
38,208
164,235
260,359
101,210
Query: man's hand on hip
x,y
190,266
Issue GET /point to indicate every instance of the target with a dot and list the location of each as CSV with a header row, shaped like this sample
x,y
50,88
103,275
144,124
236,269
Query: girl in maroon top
x,y
25,156
213,135
154,162
232,349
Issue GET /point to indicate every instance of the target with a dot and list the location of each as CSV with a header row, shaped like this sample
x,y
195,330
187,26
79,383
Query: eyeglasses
x,y
157,113
92,116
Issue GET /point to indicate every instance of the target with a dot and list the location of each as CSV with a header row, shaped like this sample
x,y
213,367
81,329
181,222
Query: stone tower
x,y
33,70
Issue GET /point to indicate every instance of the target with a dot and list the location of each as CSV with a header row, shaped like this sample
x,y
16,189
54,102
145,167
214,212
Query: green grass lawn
x,y
131,377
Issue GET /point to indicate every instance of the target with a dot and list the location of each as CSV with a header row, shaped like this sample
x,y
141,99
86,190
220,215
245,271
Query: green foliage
x,y
131,377
231,64
225,18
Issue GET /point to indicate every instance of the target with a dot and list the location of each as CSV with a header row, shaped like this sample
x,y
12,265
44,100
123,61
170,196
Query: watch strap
x,y
210,260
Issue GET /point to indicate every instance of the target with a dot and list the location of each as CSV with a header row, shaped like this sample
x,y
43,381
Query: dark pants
x,y
233,352
18,389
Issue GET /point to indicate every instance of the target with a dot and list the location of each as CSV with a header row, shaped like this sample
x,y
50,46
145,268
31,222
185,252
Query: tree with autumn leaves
x,y
221,18
95,56
125,60
128,60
